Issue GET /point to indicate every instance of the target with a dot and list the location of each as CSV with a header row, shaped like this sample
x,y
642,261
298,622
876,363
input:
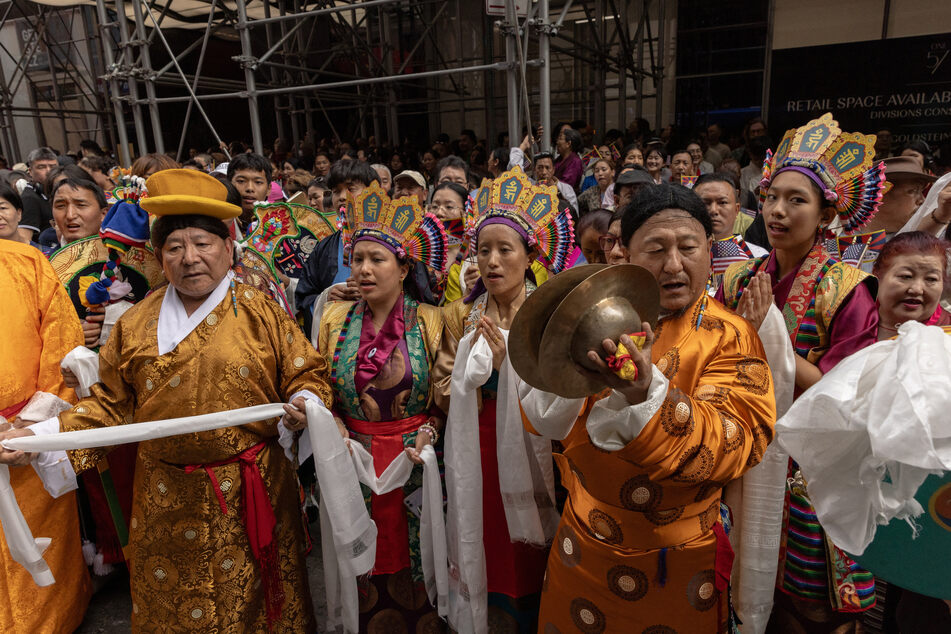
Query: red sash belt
x,y
388,511
13,410
259,522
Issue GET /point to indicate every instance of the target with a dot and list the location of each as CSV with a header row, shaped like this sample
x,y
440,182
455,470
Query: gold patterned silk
x,y
191,565
636,549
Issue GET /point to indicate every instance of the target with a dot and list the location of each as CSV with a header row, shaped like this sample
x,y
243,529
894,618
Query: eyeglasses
x,y
446,208
607,242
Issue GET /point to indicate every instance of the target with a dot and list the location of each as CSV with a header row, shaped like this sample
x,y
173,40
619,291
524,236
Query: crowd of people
x,y
774,262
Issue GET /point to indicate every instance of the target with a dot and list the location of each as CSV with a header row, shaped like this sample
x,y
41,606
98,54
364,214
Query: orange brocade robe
x,y
191,564
636,550
40,327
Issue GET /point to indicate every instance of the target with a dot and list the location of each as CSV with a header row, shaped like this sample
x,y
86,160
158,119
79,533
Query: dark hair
x,y
154,162
456,188
293,162
650,201
451,161
344,171
89,144
680,151
10,195
573,137
501,154
718,177
192,163
758,145
164,226
96,164
251,162
920,146
81,183
469,133
652,149
233,196
599,220
916,242
320,182
544,155
630,148
71,170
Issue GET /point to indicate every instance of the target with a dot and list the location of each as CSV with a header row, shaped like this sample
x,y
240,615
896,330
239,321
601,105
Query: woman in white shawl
x,y
501,513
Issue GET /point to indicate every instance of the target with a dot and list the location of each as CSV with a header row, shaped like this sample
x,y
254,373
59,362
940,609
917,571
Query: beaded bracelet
x,y
433,434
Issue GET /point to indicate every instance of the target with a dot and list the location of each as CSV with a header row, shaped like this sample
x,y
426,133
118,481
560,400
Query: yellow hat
x,y
179,192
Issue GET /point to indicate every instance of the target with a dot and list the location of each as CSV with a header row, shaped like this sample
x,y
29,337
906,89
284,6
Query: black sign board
x,y
902,85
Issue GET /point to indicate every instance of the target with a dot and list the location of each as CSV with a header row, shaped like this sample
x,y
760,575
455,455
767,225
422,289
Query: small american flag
x,y
729,251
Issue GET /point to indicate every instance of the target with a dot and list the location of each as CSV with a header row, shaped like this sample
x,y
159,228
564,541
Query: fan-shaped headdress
x,y
532,210
840,163
399,224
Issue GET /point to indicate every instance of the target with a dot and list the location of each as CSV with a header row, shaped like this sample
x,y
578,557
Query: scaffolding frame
x,y
376,48
70,62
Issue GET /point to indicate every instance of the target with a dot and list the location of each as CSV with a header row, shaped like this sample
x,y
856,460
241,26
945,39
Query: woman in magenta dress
x,y
818,174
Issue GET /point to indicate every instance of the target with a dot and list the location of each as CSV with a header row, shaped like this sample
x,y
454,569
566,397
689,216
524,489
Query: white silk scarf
x,y
348,535
525,479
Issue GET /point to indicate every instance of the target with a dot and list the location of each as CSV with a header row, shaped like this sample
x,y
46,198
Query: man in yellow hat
x,y
216,539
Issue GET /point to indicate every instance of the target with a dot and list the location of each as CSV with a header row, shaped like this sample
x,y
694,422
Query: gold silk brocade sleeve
x,y
453,323
718,427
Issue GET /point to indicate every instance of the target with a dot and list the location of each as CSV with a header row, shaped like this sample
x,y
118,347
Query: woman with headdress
x,y
817,173
381,350
501,512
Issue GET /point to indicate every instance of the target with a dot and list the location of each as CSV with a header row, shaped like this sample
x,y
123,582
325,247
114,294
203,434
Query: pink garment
x,y
376,349
276,194
569,170
854,326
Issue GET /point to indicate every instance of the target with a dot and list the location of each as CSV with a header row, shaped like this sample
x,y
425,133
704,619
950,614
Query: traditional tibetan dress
x,y
216,539
514,570
642,543
382,392
830,312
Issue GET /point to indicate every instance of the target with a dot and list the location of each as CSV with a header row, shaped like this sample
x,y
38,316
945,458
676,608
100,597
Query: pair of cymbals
x,y
572,313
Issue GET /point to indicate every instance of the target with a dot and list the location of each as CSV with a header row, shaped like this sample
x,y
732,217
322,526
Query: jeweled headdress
x,y
399,224
840,163
532,209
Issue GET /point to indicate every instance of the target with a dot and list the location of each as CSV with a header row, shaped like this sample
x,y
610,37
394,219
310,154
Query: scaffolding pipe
x,y
201,61
659,71
511,87
246,52
109,62
356,82
191,93
149,77
325,11
544,75
130,77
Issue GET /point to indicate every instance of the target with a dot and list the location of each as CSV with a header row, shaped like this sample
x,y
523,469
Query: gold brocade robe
x,y
191,565
40,327
635,550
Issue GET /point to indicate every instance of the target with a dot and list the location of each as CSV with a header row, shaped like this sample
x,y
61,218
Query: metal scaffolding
x,y
49,76
393,69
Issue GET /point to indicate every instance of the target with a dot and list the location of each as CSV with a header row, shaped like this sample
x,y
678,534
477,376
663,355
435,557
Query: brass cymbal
x,y
605,305
532,318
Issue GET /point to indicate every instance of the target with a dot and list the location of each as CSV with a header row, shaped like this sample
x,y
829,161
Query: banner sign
x,y
902,85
